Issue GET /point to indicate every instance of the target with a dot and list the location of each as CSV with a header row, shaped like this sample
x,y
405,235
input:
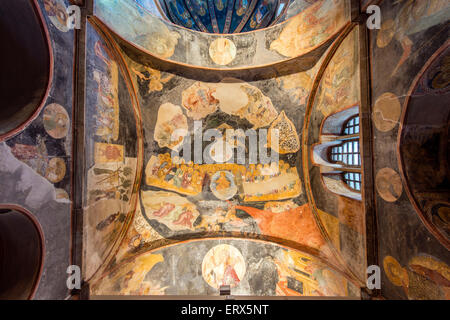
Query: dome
x,y
224,16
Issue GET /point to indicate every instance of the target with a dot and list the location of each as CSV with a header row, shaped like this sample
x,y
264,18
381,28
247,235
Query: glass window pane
x,y
357,120
358,186
345,148
351,176
340,157
350,160
340,150
358,177
350,149
351,184
357,129
355,159
356,146
345,158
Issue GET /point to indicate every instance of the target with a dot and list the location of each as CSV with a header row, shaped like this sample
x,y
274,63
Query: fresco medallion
x,y
223,265
56,170
222,51
389,184
56,121
223,185
386,112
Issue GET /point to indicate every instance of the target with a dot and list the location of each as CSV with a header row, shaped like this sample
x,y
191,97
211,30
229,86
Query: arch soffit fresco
x,y
273,45
307,154
97,281
116,55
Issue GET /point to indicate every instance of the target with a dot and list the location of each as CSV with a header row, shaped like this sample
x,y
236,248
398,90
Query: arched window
x,y
353,180
347,153
338,153
351,126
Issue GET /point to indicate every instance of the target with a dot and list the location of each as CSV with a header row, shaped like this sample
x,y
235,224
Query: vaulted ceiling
x,y
225,16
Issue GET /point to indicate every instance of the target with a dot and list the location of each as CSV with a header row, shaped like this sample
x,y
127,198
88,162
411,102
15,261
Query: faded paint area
x,y
249,267
323,20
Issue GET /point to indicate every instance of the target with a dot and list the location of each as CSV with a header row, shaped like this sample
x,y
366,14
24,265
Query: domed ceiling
x,y
225,16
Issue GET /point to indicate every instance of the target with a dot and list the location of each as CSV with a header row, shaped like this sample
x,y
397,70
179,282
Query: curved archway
x,y
26,65
423,143
21,253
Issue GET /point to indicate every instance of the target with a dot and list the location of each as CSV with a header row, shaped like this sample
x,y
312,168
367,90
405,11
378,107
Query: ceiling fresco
x,y
342,217
244,181
225,16
186,145
252,268
308,32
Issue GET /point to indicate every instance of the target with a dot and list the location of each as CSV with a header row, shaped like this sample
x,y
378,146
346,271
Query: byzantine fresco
x,y
424,278
181,198
313,27
112,154
223,16
234,182
201,267
341,217
410,117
